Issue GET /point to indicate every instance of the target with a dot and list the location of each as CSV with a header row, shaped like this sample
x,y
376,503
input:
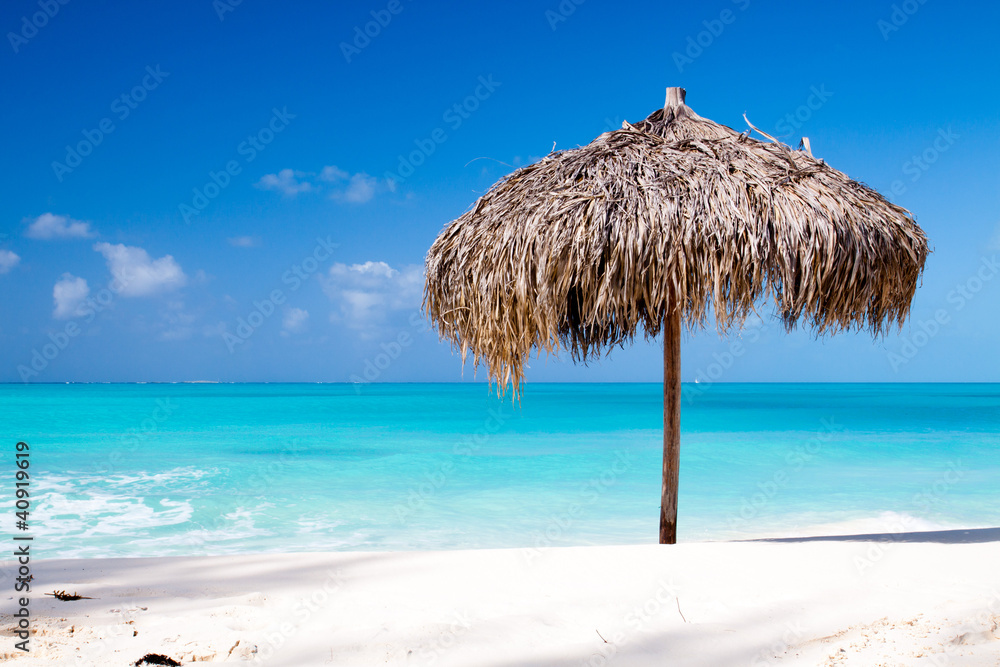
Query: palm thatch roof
x,y
588,246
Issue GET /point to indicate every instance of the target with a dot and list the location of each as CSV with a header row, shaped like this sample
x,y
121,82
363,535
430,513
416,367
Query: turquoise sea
x,y
189,469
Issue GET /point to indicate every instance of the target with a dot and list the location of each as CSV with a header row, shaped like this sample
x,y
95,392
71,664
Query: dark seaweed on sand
x,y
66,597
156,659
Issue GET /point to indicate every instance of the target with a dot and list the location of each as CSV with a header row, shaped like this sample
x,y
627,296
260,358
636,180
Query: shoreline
x,y
882,526
923,598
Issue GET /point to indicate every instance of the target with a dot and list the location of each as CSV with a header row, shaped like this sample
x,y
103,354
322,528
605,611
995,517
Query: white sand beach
x,y
917,599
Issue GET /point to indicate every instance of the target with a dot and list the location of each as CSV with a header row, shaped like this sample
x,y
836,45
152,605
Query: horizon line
x,y
486,383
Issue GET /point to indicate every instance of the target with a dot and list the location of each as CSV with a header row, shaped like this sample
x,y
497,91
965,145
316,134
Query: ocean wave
x,y
58,516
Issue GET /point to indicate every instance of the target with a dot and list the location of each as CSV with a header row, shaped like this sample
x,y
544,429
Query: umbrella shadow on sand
x,y
961,536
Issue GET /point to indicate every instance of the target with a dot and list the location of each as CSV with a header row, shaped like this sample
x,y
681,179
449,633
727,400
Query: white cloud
x,y
364,272
51,226
136,274
285,181
8,260
360,189
332,174
343,186
295,320
69,295
366,294
243,241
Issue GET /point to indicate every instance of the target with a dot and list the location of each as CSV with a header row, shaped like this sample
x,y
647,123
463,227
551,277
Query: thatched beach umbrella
x,y
657,223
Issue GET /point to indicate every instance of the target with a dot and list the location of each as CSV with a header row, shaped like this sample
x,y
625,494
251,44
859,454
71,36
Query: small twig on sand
x,y
600,635
678,600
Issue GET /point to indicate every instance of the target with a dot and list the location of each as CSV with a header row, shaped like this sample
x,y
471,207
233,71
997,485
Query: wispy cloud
x,y
332,174
341,185
8,260
244,241
136,274
175,322
69,294
286,182
359,189
294,321
50,226
367,294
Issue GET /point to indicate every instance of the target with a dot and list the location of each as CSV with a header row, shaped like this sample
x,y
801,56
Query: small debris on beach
x,y
156,659
66,597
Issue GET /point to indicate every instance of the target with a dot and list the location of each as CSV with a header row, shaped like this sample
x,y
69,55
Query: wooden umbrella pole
x,y
671,423
675,97
671,392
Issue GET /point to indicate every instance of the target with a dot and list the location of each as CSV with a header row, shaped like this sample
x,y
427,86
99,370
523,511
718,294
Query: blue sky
x,y
245,191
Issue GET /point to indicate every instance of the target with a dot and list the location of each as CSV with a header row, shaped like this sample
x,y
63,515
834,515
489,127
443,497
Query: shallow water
x,y
188,469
